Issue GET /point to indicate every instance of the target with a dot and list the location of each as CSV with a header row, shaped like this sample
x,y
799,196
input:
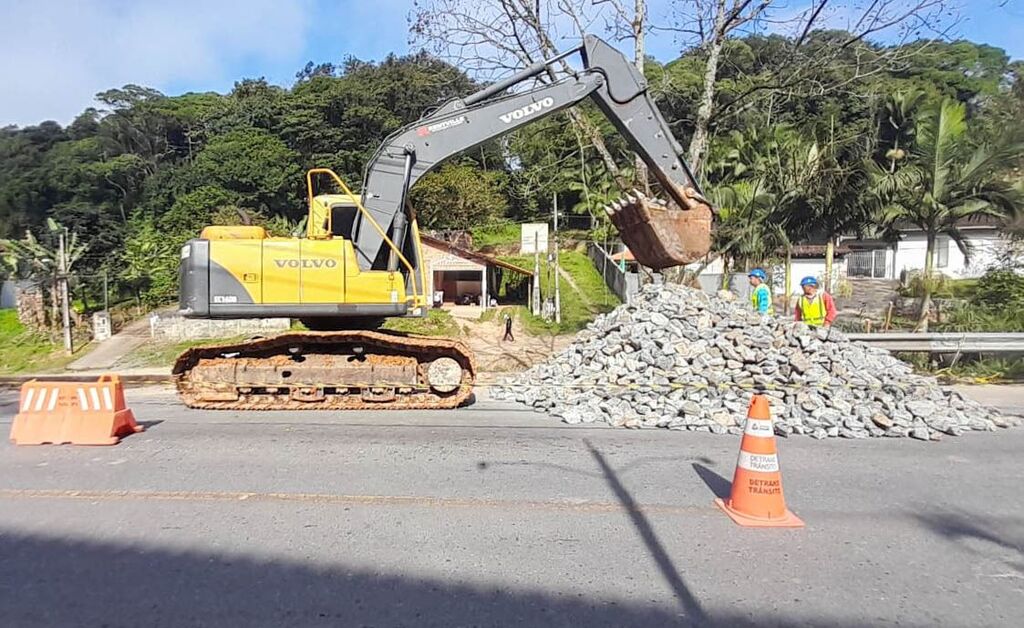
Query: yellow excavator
x,y
361,259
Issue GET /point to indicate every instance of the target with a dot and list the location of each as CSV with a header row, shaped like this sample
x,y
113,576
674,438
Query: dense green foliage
x,y
136,177
995,303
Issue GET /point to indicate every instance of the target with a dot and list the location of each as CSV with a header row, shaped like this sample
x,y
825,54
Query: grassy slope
x,y
437,323
577,309
24,351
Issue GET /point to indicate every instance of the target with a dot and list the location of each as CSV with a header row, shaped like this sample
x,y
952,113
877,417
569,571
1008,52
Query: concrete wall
x,y
624,284
174,327
814,267
8,298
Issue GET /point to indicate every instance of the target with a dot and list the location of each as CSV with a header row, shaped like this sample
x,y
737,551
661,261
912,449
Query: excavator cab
x,y
332,216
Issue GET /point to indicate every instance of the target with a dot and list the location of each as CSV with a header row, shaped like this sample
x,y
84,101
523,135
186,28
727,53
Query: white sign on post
x,y
534,238
100,326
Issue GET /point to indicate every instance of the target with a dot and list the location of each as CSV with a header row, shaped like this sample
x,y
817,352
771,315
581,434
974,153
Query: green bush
x,y
1001,289
995,302
975,317
941,286
496,235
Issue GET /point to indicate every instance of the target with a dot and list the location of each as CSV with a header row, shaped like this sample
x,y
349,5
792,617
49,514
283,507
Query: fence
x,y
866,264
622,283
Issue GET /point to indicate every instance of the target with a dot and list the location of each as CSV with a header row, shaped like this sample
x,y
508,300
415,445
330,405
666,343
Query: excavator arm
x,y
659,235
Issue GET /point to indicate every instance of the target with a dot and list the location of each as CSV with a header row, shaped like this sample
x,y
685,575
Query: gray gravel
x,y
681,359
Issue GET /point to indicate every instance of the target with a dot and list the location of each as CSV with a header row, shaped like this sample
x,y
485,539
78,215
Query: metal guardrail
x,y
996,342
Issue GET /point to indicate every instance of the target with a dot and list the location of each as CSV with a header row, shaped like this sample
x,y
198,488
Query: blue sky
x,y
55,55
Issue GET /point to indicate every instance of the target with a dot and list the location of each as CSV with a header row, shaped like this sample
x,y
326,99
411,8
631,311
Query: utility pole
x,y
62,283
106,299
536,274
558,292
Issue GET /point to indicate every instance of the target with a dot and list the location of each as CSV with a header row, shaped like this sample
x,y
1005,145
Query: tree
x,y
713,21
812,62
745,232
944,182
256,166
460,196
149,262
193,211
494,37
39,258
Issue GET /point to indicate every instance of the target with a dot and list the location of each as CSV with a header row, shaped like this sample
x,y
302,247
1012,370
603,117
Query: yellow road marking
x,y
327,498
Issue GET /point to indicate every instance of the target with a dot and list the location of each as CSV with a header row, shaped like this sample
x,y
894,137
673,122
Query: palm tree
x,y
942,182
746,231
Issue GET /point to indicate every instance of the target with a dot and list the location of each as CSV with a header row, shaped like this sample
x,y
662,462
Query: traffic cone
x,y
756,498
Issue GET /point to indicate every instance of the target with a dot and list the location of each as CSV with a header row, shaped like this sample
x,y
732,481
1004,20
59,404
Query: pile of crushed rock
x,y
682,359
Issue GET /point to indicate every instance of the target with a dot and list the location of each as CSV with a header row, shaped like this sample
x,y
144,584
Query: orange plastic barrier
x,y
88,413
756,498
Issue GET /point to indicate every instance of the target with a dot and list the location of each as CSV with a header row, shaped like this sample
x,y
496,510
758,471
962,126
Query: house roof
x,y
480,258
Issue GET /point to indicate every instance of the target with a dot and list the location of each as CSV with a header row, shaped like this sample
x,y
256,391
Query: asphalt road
x,y
492,515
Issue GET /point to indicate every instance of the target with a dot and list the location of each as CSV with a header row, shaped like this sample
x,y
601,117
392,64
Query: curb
x,y
14,381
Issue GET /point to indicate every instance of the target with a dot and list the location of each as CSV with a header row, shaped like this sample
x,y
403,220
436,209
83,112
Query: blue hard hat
x,y
757,272
808,281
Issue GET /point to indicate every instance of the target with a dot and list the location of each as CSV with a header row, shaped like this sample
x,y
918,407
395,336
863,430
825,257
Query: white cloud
x,y
55,55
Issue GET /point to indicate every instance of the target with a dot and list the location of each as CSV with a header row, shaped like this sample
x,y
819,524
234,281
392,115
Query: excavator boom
x,y
659,234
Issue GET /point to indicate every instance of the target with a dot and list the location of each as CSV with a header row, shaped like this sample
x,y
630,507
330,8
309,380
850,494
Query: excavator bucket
x,y
659,234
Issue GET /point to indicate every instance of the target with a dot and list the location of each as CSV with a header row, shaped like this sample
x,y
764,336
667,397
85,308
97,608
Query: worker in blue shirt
x,y
761,295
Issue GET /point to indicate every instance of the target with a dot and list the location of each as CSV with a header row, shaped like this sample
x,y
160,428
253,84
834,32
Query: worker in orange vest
x,y
817,309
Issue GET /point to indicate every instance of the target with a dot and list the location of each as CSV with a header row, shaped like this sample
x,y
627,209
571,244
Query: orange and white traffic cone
x,y
756,498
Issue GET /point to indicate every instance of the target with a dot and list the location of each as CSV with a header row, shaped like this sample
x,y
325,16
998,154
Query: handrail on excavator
x,y
416,298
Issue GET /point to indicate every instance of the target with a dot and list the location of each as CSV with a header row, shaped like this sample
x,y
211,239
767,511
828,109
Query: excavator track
x,y
340,370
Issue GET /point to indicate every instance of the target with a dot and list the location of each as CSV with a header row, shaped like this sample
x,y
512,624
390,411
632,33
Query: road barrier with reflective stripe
x,y
80,413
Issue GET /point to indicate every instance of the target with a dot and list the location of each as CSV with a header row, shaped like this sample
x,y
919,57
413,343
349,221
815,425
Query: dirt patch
x,y
496,355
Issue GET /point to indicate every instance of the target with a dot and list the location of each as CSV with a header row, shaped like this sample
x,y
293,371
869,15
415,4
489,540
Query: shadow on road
x,y
52,581
691,607
1005,533
720,486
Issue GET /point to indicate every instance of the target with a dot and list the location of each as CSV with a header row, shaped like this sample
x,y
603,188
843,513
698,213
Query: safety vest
x,y
767,296
813,312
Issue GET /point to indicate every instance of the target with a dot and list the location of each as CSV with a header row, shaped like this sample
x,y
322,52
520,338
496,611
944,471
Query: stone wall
x,y
175,327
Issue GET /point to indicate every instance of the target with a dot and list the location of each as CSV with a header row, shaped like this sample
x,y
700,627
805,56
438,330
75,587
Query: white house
x,y
875,258
807,260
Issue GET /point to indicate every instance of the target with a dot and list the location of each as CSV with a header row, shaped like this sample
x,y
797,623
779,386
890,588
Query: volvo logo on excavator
x,y
530,109
306,263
